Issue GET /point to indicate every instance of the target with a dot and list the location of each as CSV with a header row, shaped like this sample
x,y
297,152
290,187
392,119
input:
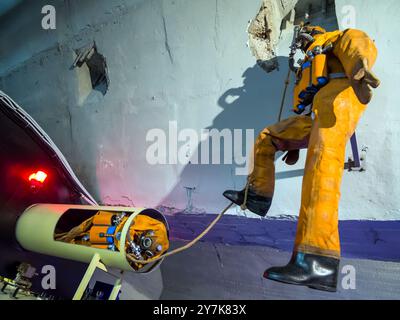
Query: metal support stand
x,y
115,291
355,163
94,264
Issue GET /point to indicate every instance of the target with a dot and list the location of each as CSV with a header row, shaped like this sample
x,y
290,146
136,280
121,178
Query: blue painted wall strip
x,y
377,240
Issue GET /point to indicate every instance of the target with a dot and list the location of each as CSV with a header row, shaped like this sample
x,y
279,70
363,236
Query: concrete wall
x,y
184,61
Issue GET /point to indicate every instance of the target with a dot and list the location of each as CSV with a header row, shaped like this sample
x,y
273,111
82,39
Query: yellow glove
x,y
362,79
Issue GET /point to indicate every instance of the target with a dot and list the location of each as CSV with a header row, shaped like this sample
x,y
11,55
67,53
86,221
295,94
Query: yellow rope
x,y
246,192
212,224
287,81
186,246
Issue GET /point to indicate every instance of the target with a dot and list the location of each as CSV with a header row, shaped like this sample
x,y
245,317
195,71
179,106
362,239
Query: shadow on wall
x,y
254,105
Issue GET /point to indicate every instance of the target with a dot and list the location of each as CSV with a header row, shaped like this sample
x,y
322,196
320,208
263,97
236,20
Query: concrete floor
x,y
216,272
221,272
135,286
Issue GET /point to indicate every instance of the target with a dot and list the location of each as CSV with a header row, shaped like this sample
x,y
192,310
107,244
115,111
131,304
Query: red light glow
x,y
39,176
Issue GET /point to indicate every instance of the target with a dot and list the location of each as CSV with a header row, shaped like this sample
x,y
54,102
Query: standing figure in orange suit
x,y
333,86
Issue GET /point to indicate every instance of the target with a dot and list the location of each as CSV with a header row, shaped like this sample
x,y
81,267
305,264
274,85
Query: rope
x,y
214,222
185,247
246,192
284,95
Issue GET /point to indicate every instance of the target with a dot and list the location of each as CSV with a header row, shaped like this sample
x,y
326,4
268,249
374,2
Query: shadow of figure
x,y
254,105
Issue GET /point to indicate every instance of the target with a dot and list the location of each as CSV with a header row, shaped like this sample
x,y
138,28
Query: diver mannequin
x,y
335,82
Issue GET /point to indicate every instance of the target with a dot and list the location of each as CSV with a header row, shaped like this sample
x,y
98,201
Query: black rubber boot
x,y
255,203
314,271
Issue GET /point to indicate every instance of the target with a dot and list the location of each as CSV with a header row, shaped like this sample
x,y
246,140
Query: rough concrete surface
x,y
218,272
184,61
265,32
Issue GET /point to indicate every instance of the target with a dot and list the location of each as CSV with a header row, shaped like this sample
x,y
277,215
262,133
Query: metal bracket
x,y
354,164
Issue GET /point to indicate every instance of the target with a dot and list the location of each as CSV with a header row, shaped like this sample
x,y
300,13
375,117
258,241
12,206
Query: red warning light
x,y
39,176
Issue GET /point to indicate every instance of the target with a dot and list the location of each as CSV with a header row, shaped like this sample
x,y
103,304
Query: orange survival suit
x,y
335,111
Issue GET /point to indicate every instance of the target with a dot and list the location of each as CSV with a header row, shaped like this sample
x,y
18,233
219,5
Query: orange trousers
x,y
336,114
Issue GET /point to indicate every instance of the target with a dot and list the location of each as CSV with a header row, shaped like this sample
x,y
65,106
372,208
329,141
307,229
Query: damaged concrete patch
x,y
90,59
264,31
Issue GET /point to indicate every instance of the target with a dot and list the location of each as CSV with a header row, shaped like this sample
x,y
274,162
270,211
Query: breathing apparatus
x,y
312,73
302,39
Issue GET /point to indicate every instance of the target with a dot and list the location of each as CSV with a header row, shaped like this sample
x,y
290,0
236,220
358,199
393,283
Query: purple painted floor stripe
x,y
364,239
